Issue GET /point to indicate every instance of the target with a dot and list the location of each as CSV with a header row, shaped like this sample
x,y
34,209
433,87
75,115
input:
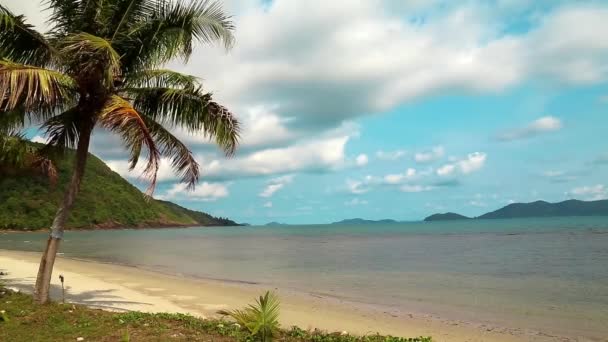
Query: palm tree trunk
x,y
43,281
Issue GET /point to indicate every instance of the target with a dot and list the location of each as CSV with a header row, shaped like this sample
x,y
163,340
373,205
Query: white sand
x,y
127,288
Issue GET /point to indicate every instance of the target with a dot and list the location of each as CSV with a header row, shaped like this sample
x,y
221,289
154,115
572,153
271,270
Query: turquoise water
x,y
549,273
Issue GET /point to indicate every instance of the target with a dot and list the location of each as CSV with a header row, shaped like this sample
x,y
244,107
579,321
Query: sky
x,y
396,109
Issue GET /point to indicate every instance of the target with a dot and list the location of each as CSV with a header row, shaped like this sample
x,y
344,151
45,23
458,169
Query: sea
x,y
537,274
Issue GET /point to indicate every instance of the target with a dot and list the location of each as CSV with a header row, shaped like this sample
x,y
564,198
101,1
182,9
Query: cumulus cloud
x,y
390,155
267,204
473,162
429,156
543,125
204,192
361,160
397,178
275,185
591,193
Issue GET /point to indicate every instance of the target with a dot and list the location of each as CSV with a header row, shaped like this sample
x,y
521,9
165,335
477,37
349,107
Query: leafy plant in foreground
x,y
261,318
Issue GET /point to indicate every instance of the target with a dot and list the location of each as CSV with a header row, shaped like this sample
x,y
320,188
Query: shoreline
x,y
118,227
121,287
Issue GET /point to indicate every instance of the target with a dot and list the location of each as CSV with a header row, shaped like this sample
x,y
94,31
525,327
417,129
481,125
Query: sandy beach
x,y
115,287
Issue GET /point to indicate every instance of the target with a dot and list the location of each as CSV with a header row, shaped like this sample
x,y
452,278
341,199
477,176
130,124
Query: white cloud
x,y
416,188
267,204
165,172
356,187
446,170
592,193
400,177
473,162
204,192
429,156
275,185
362,160
352,58
536,127
390,155
355,201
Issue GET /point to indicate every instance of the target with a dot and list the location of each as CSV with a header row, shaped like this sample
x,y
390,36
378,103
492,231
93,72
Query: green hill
x,y
546,209
537,209
106,200
446,217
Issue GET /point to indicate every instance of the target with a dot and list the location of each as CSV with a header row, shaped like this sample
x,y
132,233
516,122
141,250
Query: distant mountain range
x,y
536,209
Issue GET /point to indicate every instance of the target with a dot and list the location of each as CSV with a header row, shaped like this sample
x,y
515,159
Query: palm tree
x,y
101,65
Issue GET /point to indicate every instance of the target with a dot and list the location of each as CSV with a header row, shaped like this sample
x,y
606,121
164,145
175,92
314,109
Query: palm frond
x,y
12,120
170,31
182,160
87,54
18,152
191,109
261,318
20,42
66,16
31,88
128,12
161,78
63,130
120,117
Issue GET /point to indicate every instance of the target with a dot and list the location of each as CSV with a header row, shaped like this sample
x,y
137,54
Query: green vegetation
x,y
26,322
446,217
28,201
261,318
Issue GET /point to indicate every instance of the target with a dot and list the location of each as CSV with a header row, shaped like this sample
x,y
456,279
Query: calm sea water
x,y
526,273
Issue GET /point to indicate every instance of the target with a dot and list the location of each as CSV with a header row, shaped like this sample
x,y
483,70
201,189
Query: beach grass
x,y
23,320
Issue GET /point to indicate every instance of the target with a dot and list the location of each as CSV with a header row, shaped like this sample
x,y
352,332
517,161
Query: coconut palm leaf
x,y
161,78
182,159
120,117
17,152
88,54
191,109
32,88
19,41
63,130
171,30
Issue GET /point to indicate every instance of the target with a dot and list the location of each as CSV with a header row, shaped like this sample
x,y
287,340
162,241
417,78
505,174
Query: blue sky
x,y
398,109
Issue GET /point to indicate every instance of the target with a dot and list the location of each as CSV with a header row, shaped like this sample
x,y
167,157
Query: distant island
x,y
536,209
446,217
106,201
356,221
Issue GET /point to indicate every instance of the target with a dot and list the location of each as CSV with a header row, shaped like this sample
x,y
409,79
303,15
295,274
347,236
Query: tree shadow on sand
x,y
102,299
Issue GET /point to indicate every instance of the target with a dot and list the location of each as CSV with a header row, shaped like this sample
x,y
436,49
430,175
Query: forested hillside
x,y
106,200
